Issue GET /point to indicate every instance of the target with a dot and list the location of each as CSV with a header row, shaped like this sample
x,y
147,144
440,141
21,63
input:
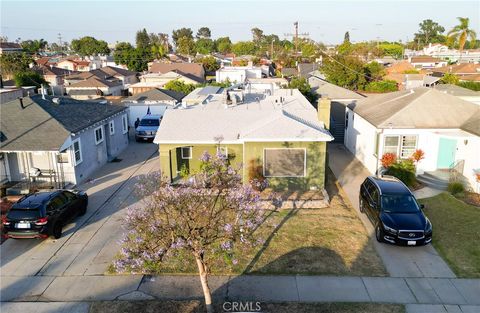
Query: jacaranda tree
x,y
209,212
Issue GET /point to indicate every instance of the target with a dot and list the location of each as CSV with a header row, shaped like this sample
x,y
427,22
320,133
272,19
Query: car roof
x,y
389,185
151,117
35,199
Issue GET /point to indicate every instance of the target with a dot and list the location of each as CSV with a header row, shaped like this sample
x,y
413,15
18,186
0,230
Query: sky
x,y
324,21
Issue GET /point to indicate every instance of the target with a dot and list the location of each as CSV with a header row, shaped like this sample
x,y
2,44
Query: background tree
x,y
158,51
308,48
11,63
142,40
223,44
346,37
460,33
244,48
204,33
204,45
392,49
34,46
179,86
429,32
257,35
181,32
345,71
29,78
209,63
374,71
89,46
206,215
450,78
186,46
302,85
135,59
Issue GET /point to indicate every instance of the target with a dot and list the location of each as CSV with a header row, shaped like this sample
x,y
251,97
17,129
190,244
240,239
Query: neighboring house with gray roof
x,y
444,126
462,93
94,88
58,141
156,100
281,133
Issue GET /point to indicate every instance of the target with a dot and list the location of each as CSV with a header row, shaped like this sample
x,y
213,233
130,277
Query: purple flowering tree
x,y
210,210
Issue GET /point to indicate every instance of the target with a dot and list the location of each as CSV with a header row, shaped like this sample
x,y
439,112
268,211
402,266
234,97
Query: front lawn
x,y
456,233
195,306
329,241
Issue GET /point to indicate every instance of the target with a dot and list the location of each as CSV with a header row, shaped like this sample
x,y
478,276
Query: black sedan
x,y
394,212
44,214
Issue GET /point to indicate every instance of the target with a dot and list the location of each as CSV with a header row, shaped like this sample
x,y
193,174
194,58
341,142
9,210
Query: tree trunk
x,y
203,279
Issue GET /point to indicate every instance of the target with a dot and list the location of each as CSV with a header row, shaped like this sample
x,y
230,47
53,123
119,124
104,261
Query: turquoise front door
x,y
446,153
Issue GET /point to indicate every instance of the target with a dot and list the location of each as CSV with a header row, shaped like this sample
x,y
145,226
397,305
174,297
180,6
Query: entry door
x,y
181,161
446,153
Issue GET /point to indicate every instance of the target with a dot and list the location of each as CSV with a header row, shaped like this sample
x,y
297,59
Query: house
x,y
238,74
445,127
305,70
462,93
9,94
463,69
107,73
426,62
9,47
340,98
443,52
263,84
281,133
94,88
193,69
74,65
58,142
162,78
55,77
156,101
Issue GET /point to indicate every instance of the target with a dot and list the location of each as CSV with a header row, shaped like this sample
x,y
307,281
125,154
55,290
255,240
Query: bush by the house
x,y
255,175
470,85
403,170
388,159
455,187
382,86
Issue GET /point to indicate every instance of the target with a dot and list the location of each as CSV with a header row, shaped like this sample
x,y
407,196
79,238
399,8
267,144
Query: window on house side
x,y
124,124
391,144
111,126
284,162
186,152
99,135
77,150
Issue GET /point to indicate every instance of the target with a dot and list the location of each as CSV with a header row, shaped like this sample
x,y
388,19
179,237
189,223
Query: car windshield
x,y
399,204
150,122
20,214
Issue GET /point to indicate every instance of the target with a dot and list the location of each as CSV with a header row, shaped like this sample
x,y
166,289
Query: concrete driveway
x,y
90,242
399,261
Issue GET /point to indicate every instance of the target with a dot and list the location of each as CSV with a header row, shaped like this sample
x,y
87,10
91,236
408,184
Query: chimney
x,y
21,103
323,111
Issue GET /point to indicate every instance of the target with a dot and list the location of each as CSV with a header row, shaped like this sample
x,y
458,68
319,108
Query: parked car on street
x,y
394,212
147,128
43,214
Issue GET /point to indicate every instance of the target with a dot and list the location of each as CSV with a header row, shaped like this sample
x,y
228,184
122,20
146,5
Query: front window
x,y
98,135
77,151
409,144
391,145
284,162
399,204
402,146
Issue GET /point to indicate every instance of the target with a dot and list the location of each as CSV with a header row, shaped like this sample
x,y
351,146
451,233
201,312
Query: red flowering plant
x,y
206,215
388,159
418,155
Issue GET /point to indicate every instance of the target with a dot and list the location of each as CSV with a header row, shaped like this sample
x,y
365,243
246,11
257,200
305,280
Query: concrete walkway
x,y
66,294
399,261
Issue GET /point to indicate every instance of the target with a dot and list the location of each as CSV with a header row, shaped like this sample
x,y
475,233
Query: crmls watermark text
x,y
237,306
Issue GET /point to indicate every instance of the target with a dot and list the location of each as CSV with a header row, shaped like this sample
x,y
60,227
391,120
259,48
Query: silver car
x,y
147,129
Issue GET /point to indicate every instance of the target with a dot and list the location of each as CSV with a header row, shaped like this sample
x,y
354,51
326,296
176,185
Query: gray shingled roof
x,y
418,108
457,90
157,94
332,91
43,125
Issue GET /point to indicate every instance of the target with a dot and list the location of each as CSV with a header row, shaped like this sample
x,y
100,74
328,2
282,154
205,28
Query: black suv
x,y
394,212
42,214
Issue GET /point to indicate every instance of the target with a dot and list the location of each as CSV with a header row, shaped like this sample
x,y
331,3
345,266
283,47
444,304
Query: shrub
x,y
382,86
455,187
388,159
475,86
255,175
418,155
403,170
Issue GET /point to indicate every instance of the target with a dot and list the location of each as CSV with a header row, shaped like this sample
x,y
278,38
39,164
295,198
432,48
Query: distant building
x,y
426,62
9,47
194,69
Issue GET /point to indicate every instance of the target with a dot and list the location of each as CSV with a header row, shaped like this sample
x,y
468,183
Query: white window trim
x,y
111,127
304,163
124,124
401,145
398,144
79,150
184,158
95,135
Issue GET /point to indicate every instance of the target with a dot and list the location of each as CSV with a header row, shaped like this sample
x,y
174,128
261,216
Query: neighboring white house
x,y
238,74
163,78
269,83
155,100
58,142
443,52
445,127
426,62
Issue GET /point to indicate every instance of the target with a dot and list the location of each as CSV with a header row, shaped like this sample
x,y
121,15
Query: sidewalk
x,y
399,261
420,294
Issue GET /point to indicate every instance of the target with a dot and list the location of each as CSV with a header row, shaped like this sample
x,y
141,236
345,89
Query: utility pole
x,y
295,36
60,44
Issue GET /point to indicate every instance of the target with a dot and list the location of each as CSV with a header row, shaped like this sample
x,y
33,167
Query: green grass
x,y
456,233
196,306
329,241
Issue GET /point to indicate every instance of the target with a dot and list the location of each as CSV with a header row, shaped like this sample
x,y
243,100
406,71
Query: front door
x,y
446,153
183,163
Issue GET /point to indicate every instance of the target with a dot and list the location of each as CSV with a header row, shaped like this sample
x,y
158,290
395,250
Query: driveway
x,y
89,243
399,261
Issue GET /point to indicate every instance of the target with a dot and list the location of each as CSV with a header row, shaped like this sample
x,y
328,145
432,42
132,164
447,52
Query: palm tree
x,y
461,32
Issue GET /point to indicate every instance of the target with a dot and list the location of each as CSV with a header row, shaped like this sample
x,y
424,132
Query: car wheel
x,y
57,230
83,211
379,233
362,210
